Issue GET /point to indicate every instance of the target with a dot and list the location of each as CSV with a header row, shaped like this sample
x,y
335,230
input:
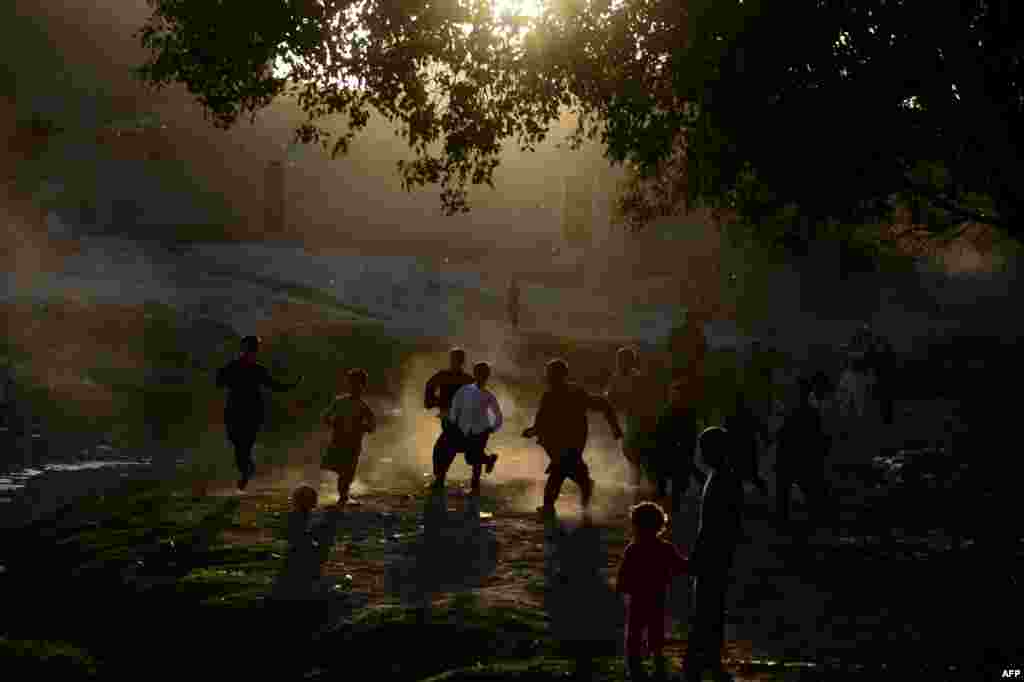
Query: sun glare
x,y
518,8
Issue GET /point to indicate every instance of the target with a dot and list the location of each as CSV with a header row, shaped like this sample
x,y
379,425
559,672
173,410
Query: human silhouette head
x,y
357,379
557,372
677,393
457,359
648,520
250,345
714,447
481,373
304,498
625,359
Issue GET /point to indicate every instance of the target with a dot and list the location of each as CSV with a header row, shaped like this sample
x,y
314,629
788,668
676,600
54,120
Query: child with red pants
x,y
647,569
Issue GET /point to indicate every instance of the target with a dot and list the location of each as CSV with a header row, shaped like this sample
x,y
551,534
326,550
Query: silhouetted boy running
x,y
441,390
561,429
718,533
244,414
349,418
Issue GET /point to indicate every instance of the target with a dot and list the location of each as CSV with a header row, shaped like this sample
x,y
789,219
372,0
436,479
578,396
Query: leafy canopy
x,y
754,105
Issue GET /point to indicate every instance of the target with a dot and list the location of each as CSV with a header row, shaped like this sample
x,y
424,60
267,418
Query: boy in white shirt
x,y
476,413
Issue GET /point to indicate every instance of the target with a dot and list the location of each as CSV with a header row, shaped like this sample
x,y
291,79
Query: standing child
x,y
349,418
676,435
744,425
647,569
476,413
718,533
800,457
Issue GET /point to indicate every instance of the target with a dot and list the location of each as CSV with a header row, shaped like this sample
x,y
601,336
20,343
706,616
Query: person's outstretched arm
x,y
430,394
680,565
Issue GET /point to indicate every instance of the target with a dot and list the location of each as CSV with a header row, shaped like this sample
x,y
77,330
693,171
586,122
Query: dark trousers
x,y
707,627
812,484
242,435
568,464
645,617
449,443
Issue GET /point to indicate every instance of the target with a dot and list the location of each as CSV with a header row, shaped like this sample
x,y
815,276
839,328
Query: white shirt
x,y
475,410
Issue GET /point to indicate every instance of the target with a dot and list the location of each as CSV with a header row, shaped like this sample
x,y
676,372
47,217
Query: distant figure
x,y
800,458
243,414
349,418
476,414
676,435
718,533
648,566
440,391
743,426
561,429
514,303
632,395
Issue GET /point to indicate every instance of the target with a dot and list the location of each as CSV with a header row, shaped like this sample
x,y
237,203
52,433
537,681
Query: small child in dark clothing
x,y
718,533
647,569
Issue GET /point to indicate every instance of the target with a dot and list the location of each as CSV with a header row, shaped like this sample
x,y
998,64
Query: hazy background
x,y
126,330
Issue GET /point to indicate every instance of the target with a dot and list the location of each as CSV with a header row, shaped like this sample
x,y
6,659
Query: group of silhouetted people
x,y
660,441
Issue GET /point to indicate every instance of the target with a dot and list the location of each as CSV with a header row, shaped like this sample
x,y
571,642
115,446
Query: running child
x,y
244,413
476,413
349,418
440,391
561,429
